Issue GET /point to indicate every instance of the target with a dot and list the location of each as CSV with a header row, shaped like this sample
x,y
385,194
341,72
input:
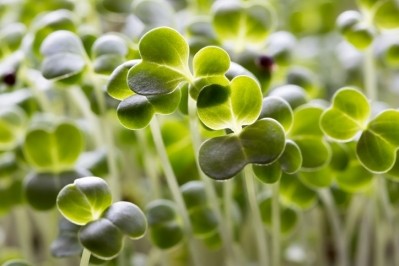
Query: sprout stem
x,y
225,232
339,238
256,217
114,182
84,261
150,171
363,248
276,224
173,185
24,232
370,78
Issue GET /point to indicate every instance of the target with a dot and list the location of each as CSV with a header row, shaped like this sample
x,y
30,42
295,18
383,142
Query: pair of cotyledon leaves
x,y
88,203
52,150
152,87
349,116
64,55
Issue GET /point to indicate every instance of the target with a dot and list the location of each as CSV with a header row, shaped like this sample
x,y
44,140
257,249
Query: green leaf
x,y
260,143
211,61
85,200
319,178
194,194
291,159
294,193
269,173
166,230
64,55
102,238
355,178
387,15
210,65
117,86
240,23
128,218
136,111
306,133
231,107
377,146
12,124
154,13
278,109
164,64
53,150
108,52
347,116
41,189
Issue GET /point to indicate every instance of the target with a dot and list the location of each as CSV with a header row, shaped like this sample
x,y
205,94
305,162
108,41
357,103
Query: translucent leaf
x,y
164,64
242,22
306,133
319,178
85,200
377,146
231,107
117,86
294,193
12,124
53,150
347,116
261,143
387,15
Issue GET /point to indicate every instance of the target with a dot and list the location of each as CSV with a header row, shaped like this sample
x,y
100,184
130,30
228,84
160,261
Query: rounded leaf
x,y
221,107
355,178
63,55
117,86
294,193
102,238
293,94
41,189
377,146
387,15
166,230
261,143
194,194
269,173
319,178
211,61
204,221
128,218
278,109
12,124
54,150
85,200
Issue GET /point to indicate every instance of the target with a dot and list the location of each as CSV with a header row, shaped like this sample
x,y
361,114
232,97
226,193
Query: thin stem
x,y
370,77
336,227
363,248
276,224
114,182
150,171
79,100
256,217
226,233
24,232
386,207
84,261
172,184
